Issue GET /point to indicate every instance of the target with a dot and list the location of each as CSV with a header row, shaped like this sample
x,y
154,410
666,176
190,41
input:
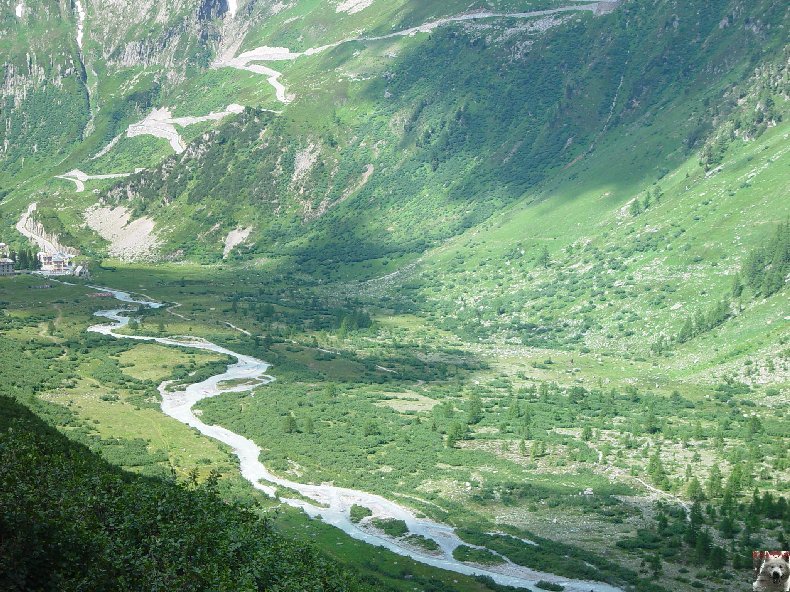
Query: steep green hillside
x,y
376,159
615,256
70,521
44,102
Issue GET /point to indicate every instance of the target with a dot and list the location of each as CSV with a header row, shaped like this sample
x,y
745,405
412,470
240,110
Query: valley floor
x,y
510,445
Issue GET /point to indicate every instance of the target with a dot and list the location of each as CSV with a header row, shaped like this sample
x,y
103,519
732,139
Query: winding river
x,y
329,503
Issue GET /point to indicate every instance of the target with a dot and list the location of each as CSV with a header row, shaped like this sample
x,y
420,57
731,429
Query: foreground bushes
x,y
70,521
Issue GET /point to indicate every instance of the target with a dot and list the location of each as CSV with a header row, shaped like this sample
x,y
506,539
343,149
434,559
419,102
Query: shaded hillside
x,y
384,157
70,521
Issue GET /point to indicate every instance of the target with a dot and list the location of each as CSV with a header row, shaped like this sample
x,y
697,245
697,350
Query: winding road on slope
x,y
160,123
248,59
79,178
331,504
46,242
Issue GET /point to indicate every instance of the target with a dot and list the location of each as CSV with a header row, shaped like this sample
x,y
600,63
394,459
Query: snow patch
x,y
267,54
160,123
233,6
353,6
232,109
20,10
79,178
80,22
245,60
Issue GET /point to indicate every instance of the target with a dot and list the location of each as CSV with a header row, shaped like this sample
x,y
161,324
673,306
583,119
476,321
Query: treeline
x,y
638,206
559,558
315,315
691,538
766,268
70,521
763,273
750,109
702,322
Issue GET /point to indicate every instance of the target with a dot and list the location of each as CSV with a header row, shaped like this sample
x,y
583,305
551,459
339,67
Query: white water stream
x,y
331,504
80,22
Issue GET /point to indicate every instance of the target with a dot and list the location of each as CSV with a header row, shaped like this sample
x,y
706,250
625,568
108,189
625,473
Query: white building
x,y
82,272
55,263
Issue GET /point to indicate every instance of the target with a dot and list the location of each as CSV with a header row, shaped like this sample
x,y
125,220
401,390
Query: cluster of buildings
x,y
60,264
49,264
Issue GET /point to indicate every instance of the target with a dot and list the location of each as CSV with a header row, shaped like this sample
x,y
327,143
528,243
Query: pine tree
x,y
289,424
718,314
655,468
654,562
694,490
544,259
686,331
456,432
734,481
713,484
737,286
475,410
702,546
717,558
694,523
727,527
718,439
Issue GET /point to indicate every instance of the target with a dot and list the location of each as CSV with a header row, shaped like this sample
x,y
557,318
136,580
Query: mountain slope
x,y
371,129
72,521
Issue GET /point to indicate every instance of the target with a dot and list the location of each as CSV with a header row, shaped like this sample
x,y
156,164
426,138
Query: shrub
x,y
359,512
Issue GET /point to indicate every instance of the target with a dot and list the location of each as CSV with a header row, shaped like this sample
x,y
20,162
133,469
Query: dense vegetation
x,y
69,520
528,277
445,162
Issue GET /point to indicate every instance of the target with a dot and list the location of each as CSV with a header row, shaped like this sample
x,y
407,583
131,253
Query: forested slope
x,y
71,521
381,157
